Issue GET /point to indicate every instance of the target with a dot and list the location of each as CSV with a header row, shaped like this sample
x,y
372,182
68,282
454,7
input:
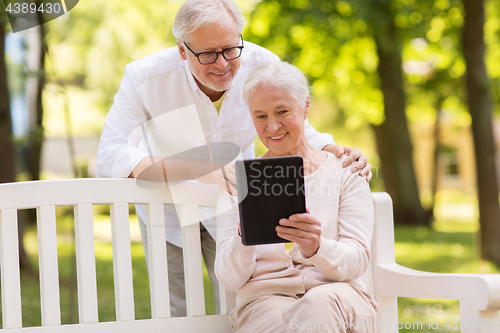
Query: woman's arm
x,y
348,256
234,262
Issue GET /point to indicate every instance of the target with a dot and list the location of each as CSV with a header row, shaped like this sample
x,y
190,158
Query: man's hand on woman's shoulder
x,y
353,155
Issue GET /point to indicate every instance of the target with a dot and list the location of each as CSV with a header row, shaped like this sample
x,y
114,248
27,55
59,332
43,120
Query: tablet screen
x,y
269,189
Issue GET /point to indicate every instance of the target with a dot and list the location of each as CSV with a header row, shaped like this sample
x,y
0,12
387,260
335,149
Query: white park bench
x,y
478,295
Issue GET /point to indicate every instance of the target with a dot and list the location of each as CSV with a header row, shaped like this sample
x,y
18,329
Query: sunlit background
x,y
335,44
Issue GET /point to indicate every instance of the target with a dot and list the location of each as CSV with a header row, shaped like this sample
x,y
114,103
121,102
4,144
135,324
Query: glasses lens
x,y
207,57
232,53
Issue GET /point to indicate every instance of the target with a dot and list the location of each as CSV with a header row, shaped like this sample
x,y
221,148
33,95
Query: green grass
x,y
448,247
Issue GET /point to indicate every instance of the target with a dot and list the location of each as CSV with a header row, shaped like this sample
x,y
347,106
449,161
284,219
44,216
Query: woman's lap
x,y
333,307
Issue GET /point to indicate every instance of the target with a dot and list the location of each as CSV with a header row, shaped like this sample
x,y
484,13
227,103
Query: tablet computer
x,y
269,189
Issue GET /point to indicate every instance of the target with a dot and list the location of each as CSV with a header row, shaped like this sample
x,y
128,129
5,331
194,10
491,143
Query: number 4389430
x,y
25,8
486,323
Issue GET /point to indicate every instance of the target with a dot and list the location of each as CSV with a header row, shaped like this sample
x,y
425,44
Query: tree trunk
x,y
480,108
7,151
393,138
36,84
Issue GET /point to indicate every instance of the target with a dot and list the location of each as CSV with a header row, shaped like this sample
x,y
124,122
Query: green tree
x,y
393,139
7,151
35,136
481,107
347,48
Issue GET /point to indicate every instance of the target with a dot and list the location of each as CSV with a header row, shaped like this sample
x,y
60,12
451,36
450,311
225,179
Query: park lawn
x,y
447,247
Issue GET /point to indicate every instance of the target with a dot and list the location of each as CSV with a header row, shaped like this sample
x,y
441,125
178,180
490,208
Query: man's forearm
x,y
158,169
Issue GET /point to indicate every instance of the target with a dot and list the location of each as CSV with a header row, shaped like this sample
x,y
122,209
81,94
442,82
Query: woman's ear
x,y
182,50
308,105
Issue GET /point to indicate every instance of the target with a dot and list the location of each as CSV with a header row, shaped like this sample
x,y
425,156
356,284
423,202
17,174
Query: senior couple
x,y
238,90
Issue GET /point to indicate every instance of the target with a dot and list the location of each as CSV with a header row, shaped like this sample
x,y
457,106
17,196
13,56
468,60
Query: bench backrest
x,y
82,194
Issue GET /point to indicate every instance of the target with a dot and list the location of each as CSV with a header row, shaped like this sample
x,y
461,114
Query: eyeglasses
x,y
206,58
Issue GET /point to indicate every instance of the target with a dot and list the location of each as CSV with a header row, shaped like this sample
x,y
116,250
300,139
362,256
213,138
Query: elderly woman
x,y
315,286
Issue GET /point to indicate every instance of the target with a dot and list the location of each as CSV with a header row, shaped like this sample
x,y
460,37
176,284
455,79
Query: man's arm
x,y
164,169
118,154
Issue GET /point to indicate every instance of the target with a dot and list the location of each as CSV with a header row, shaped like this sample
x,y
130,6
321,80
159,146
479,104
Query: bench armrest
x,y
399,281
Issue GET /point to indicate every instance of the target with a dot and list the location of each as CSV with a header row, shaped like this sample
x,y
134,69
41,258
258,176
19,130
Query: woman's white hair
x,y
281,75
197,13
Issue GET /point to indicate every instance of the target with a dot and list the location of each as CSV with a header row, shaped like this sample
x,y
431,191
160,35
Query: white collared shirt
x,y
161,83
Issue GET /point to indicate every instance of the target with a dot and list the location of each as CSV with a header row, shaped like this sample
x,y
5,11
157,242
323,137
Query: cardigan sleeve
x,y
348,256
234,262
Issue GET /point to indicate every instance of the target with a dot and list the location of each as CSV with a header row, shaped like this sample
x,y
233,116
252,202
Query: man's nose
x,y
221,62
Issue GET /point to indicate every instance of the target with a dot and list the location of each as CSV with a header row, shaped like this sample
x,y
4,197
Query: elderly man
x,y
204,74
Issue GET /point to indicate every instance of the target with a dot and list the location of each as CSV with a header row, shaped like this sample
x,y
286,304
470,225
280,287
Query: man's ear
x,y
308,105
182,50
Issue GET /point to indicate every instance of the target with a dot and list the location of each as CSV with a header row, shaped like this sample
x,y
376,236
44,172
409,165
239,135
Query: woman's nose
x,y
273,126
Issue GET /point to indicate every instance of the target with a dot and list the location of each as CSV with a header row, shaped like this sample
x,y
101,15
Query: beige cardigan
x,y
342,202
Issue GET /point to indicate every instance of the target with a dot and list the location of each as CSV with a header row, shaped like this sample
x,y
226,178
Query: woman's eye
x,y
282,112
261,116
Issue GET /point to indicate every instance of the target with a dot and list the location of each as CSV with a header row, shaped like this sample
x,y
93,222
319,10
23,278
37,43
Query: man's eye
x,y
282,111
207,55
261,116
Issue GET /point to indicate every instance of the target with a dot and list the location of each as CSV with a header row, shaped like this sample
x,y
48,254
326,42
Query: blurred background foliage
x,y
337,44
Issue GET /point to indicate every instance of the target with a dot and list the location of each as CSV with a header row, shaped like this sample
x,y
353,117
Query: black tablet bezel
x,y
282,193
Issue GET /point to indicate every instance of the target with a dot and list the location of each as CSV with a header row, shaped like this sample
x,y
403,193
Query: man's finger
x,y
369,176
360,164
365,170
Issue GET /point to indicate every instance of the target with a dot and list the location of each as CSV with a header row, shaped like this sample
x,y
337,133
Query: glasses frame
x,y
197,55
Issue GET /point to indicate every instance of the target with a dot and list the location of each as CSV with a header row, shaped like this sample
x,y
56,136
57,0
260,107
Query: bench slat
x,y
122,262
227,300
193,267
49,269
10,275
157,256
207,324
85,264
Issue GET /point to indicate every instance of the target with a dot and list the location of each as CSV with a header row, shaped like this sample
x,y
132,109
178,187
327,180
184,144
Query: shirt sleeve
x,y
118,151
315,138
348,256
234,262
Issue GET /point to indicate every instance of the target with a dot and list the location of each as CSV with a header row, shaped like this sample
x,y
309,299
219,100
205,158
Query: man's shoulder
x,y
255,55
158,63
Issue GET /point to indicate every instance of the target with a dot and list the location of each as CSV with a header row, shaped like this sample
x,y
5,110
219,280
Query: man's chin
x,y
220,87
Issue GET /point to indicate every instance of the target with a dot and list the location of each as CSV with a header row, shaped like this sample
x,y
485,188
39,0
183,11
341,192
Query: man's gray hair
x,y
197,13
281,75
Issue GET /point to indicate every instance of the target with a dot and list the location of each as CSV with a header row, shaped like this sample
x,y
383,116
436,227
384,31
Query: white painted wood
x,y
227,300
122,262
10,275
85,264
479,295
382,249
193,267
49,269
205,324
157,257
99,191
472,320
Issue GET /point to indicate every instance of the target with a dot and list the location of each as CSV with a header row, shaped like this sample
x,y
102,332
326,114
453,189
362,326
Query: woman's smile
x,y
278,138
